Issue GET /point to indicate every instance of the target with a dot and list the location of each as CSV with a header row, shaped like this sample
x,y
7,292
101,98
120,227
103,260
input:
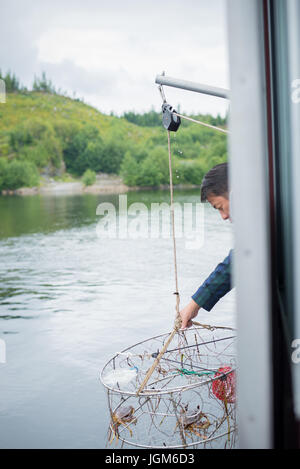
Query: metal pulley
x,y
170,120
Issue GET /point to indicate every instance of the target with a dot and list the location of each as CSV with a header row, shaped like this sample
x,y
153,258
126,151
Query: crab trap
x,y
190,398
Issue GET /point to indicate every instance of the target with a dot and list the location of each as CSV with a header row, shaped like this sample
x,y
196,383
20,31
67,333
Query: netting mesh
x,y
189,400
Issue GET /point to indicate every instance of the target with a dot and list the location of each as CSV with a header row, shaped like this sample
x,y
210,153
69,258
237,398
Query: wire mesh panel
x,y
189,401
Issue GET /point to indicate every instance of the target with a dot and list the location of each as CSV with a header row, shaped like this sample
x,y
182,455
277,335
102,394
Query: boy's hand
x,y
188,313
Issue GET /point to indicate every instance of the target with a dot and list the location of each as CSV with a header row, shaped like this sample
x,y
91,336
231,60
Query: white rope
x,y
178,320
177,324
201,123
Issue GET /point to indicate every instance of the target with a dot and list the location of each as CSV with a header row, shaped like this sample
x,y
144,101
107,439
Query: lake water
x,y
70,298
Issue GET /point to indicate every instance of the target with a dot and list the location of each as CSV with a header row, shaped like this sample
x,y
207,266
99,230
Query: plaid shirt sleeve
x,y
215,286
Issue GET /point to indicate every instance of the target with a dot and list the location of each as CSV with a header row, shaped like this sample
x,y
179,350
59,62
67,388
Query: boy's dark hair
x,y
215,182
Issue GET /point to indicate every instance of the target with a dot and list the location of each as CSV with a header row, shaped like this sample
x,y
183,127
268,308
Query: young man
x,y
214,189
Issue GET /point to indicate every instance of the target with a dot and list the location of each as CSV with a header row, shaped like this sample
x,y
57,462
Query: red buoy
x,y
224,387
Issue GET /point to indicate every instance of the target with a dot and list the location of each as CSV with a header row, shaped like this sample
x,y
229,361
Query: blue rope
x,y
183,371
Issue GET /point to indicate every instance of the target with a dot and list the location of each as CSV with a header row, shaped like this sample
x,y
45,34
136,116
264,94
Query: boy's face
x,y
221,203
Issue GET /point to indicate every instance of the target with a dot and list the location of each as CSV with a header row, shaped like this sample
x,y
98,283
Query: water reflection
x,y
46,214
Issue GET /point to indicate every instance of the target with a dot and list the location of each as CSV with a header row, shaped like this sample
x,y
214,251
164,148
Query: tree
x,y
148,119
43,84
154,169
76,149
112,157
130,170
91,157
12,84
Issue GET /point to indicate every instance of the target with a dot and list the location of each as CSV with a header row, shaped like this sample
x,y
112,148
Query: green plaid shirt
x,y
215,286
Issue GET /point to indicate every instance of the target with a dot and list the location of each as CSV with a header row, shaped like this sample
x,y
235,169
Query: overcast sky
x,y
109,52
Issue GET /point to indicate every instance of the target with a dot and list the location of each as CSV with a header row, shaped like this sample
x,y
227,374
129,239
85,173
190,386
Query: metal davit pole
x,y
192,86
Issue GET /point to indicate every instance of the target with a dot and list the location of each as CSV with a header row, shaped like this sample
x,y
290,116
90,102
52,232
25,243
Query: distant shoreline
x,y
105,184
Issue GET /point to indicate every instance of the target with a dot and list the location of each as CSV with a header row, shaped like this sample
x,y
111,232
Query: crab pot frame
x,y
189,401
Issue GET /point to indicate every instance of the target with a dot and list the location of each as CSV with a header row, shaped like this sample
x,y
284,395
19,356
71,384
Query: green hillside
x,y
47,133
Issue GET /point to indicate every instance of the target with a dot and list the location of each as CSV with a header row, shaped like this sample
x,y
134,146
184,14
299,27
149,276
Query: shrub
x,y
17,174
89,177
36,154
19,137
29,132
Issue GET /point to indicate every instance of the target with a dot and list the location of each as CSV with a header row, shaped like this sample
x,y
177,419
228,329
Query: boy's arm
x,y
210,292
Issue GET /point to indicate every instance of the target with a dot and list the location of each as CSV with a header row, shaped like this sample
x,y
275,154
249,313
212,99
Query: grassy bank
x,y
46,134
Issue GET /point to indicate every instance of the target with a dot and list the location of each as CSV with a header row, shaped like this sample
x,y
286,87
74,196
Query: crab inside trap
x,y
189,400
